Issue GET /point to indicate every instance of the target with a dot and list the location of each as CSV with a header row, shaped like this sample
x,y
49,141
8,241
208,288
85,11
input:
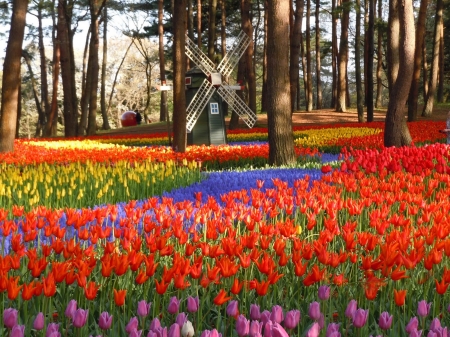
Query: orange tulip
x,y
90,291
161,287
237,286
28,291
221,298
399,297
13,288
49,285
441,287
119,297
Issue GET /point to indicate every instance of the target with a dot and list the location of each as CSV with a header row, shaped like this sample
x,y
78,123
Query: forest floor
x,y
317,117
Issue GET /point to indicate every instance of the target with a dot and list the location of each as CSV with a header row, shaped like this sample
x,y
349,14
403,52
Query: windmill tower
x,y
206,91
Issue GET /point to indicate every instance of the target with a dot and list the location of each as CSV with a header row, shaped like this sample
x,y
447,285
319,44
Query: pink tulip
x,y
385,321
18,331
181,319
314,311
423,308
39,322
10,317
174,305
277,315
70,309
435,324
314,331
360,317
135,333
332,328
133,324
255,313
143,308
211,333
412,325
174,331
79,317
105,321
155,324
324,292
192,304
278,331
351,308
52,329
161,332
291,319
255,328
233,308
242,326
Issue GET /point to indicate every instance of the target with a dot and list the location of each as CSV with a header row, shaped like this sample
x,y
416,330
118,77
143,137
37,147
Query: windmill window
x,y
214,108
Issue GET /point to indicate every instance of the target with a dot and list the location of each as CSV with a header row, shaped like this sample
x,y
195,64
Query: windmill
x,y
214,83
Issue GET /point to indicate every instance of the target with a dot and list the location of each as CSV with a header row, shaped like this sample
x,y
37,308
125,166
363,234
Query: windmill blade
x,y
230,59
198,103
238,105
197,56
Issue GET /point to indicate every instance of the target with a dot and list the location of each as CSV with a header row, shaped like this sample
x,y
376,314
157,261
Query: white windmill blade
x,y
230,59
195,108
238,105
198,57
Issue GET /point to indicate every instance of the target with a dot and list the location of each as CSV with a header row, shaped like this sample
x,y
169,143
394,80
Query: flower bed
x,y
358,250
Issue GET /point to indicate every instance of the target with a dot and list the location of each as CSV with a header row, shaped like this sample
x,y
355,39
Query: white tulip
x,y
187,330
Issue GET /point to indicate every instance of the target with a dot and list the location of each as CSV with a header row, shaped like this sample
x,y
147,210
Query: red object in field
x,y
128,118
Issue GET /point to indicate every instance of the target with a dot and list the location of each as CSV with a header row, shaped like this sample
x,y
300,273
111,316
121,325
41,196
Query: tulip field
x,y
120,236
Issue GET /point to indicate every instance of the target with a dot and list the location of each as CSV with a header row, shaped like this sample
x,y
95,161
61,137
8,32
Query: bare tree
x,y
281,139
396,131
11,76
343,59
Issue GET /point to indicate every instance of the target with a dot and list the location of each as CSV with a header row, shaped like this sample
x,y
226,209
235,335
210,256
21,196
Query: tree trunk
x,y
396,131
179,62
369,65
309,88
441,77
67,69
250,68
11,76
343,59
392,52
51,126
199,23
264,95
45,105
318,79
420,33
85,86
96,9
212,29
105,125
294,54
425,68
334,53
234,120
163,113
359,86
281,139
379,100
429,101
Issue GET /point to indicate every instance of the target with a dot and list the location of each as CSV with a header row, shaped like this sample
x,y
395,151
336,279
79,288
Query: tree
x,y
212,29
295,52
359,87
429,101
318,78
11,76
163,113
420,33
343,59
378,102
104,109
396,131
309,88
281,138
179,63
369,60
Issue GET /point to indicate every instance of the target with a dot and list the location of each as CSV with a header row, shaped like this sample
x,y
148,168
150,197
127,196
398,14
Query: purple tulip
x,y
255,328
174,305
211,333
53,334
135,333
268,326
255,313
435,324
385,321
360,317
105,321
151,334
10,317
314,311
242,326
143,308
161,332
277,315
265,316
441,332
416,333
79,317
278,331
70,309
52,328
324,293
233,308
39,322
321,321
332,328
155,324
181,319
351,308
174,330
133,324
291,319
17,331
314,331
423,308
412,325
431,334
334,334
192,304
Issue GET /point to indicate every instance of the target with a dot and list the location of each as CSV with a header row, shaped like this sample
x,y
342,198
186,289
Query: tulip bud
x,y
314,331
291,319
233,308
187,330
174,305
174,330
412,325
314,311
18,331
105,321
10,317
324,293
181,319
278,331
39,321
385,321
133,324
255,313
277,315
351,308
192,304
360,317
135,333
242,326
79,317
255,328
423,308
143,308
70,309
435,324
155,324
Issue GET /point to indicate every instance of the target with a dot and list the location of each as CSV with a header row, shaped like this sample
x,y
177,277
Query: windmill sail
x,y
230,59
198,103
238,105
198,57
